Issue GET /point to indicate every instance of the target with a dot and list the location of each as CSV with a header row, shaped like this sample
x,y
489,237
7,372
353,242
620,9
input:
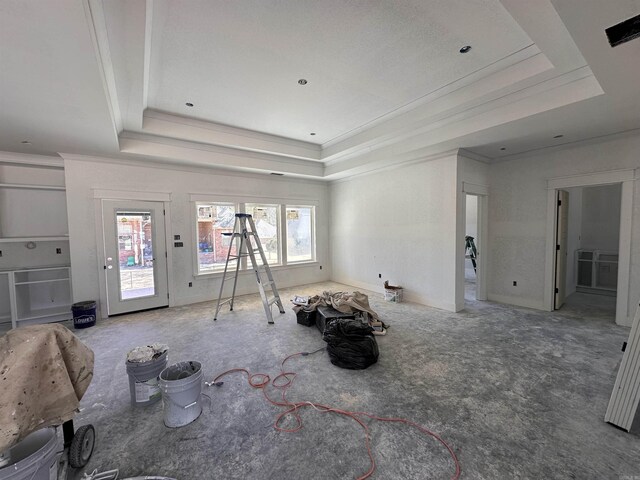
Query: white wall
x,y
601,217
518,208
84,175
400,223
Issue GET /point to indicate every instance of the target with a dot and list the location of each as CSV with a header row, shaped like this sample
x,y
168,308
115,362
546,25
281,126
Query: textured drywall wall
x,y
518,209
601,217
82,177
399,223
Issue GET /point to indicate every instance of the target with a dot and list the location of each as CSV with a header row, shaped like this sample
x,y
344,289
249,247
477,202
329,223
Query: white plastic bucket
x,y
35,457
181,386
143,380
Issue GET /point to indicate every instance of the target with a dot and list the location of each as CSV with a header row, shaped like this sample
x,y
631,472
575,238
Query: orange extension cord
x,y
285,379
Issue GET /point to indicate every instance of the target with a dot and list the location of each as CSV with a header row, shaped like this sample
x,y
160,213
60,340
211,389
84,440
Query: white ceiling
x,y
385,79
239,62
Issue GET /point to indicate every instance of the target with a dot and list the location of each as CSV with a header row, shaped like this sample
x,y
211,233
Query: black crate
x,y
328,314
306,318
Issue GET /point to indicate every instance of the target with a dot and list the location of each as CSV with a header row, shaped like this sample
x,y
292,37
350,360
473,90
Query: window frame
x,y
278,207
312,232
240,206
196,245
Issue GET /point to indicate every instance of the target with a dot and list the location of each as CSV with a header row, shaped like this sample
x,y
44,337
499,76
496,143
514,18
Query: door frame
x,y
482,192
626,178
99,195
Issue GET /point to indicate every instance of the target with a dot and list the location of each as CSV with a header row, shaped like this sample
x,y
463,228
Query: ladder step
x,y
228,300
273,300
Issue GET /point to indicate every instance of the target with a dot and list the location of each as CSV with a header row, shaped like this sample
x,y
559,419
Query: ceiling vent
x,y
624,31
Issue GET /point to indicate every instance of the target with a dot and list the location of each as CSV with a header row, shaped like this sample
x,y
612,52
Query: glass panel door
x,y
135,254
135,263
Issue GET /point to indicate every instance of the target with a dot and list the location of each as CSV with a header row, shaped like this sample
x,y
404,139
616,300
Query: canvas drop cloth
x,y
44,372
345,302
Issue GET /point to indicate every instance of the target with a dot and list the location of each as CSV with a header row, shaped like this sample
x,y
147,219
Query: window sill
x,y
274,268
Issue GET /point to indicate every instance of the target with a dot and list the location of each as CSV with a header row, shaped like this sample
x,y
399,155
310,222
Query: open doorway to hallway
x,y
471,250
590,250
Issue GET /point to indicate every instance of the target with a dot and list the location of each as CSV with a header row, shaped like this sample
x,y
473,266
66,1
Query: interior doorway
x,y
588,237
600,260
471,268
135,263
471,249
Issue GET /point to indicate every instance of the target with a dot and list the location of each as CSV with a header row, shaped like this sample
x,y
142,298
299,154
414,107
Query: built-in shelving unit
x,y
35,283
597,271
36,295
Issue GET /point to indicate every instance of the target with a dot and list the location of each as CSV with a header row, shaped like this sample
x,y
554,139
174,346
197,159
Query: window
x,y
267,221
300,234
213,220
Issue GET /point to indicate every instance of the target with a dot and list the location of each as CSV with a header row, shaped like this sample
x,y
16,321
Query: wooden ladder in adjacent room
x,y
249,245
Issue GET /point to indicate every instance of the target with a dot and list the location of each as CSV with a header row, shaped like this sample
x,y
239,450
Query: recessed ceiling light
x,y
302,81
465,49
189,104
558,136
312,133
503,148
25,142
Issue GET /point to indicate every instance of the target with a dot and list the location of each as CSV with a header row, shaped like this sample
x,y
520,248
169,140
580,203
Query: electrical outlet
x,y
320,267
515,284
58,251
379,275
191,284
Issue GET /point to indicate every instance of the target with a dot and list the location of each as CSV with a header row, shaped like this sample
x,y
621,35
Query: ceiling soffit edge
x,y
98,31
556,92
178,150
190,129
163,164
518,66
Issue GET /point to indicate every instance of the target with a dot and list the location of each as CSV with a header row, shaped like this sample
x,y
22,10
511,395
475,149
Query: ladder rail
x,y
267,268
224,276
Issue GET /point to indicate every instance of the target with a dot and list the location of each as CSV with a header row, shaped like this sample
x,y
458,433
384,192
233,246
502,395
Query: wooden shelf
x,y
34,239
32,187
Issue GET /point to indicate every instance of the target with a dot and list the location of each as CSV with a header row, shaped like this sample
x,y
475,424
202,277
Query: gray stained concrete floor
x,y
518,393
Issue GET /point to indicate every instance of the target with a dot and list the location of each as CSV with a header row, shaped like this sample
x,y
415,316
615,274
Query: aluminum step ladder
x,y
249,245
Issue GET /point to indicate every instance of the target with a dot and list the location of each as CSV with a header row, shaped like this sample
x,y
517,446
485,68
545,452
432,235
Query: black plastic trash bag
x,y
351,344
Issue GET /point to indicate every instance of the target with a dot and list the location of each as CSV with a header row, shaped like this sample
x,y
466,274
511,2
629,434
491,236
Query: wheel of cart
x,y
80,443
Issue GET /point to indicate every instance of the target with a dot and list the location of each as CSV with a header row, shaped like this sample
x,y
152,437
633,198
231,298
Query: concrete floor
x,y
518,393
